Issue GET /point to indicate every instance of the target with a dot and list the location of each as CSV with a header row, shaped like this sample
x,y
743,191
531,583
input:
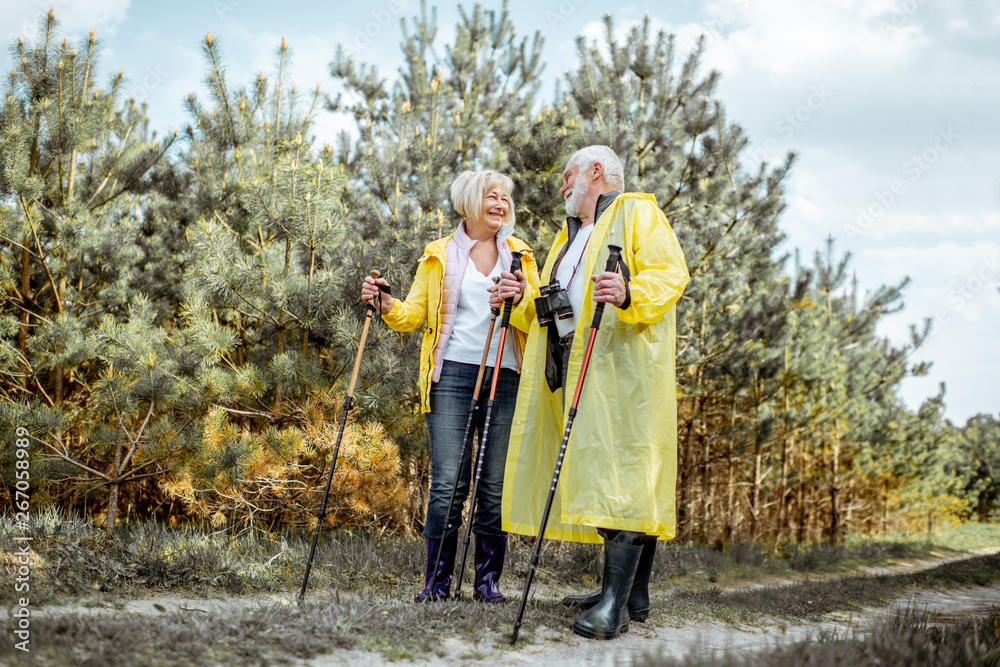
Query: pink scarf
x,y
456,259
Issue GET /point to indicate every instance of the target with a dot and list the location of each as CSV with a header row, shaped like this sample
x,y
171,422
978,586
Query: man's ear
x,y
597,172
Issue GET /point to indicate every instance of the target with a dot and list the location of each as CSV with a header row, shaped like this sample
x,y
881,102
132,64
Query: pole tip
x,y
376,274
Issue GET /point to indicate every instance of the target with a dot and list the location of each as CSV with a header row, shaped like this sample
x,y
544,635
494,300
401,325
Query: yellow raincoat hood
x,y
620,469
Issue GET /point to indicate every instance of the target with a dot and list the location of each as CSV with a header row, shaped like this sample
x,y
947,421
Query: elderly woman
x,y
453,292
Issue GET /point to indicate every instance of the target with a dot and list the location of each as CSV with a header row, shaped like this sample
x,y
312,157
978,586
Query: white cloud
x,y
956,287
76,17
796,41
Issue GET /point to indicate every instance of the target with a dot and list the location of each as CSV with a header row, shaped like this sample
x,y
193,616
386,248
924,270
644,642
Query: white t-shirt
x,y
572,279
468,333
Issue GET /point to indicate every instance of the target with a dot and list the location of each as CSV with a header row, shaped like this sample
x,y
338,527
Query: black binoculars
x,y
553,304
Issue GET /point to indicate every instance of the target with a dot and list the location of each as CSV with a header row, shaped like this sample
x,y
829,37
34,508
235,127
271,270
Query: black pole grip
x,y
381,288
614,256
508,304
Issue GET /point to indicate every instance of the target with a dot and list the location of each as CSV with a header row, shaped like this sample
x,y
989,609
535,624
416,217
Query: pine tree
x,y
442,116
192,321
974,459
269,228
75,161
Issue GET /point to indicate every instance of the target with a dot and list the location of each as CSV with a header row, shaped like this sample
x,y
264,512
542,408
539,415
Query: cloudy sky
x,y
891,105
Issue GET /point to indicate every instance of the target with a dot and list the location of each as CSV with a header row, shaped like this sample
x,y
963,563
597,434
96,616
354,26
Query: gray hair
x,y
470,188
614,174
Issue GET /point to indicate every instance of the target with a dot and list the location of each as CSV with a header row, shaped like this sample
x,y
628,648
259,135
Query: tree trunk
x,y
801,533
58,380
109,523
683,515
22,334
783,482
730,494
705,487
755,494
835,492
279,350
885,507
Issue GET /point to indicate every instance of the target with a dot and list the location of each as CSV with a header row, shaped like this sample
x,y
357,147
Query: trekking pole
x,y
508,305
614,253
343,423
466,446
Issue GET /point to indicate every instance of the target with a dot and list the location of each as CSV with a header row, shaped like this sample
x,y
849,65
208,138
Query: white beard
x,y
575,201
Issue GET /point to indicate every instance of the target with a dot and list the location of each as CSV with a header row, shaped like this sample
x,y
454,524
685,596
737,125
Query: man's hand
x,y
609,287
510,285
369,290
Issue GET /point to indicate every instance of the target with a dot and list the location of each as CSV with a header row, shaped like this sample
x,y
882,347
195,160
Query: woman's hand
x,y
369,290
510,285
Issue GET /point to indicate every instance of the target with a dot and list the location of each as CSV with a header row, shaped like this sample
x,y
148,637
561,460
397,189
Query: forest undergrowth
x,y
362,583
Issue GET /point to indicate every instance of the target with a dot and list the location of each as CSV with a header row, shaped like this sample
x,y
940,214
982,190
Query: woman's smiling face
x,y
496,204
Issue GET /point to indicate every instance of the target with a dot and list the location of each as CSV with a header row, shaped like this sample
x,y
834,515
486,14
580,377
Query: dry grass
x,y
362,583
906,639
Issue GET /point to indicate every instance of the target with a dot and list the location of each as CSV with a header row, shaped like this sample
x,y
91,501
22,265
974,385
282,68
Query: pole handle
x,y
508,304
614,257
370,305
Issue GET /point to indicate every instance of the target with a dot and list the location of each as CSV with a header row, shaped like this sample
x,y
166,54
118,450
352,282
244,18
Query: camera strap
x,y
579,261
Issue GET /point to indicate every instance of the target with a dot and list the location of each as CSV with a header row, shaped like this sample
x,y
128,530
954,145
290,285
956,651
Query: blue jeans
x,y
451,396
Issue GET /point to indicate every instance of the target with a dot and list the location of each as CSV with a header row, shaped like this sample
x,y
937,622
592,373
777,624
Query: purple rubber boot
x,y
445,568
490,552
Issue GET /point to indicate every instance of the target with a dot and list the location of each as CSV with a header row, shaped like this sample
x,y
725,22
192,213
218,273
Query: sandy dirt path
x,y
560,647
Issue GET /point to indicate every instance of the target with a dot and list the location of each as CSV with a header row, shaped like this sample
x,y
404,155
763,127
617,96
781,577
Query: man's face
x,y
574,188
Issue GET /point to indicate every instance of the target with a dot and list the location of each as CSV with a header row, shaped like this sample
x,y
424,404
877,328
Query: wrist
x,y
627,301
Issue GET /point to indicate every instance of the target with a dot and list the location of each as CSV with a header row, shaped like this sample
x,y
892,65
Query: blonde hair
x,y
614,175
470,188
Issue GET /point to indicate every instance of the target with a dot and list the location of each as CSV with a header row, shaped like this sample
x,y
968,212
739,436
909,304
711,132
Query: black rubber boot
x,y
609,617
638,601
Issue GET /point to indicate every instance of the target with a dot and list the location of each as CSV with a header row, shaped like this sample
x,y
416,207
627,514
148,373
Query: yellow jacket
x,y
423,304
620,469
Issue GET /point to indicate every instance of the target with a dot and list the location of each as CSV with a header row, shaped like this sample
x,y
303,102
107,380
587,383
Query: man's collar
x,y
573,224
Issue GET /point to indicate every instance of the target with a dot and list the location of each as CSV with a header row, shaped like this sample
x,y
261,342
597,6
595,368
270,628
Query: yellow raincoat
x,y
620,469
423,304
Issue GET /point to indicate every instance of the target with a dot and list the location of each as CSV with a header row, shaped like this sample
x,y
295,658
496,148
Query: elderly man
x,y
619,475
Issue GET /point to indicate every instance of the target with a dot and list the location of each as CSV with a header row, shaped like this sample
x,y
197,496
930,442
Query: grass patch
x,y
907,639
971,536
265,635
811,599
362,583
272,633
77,560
